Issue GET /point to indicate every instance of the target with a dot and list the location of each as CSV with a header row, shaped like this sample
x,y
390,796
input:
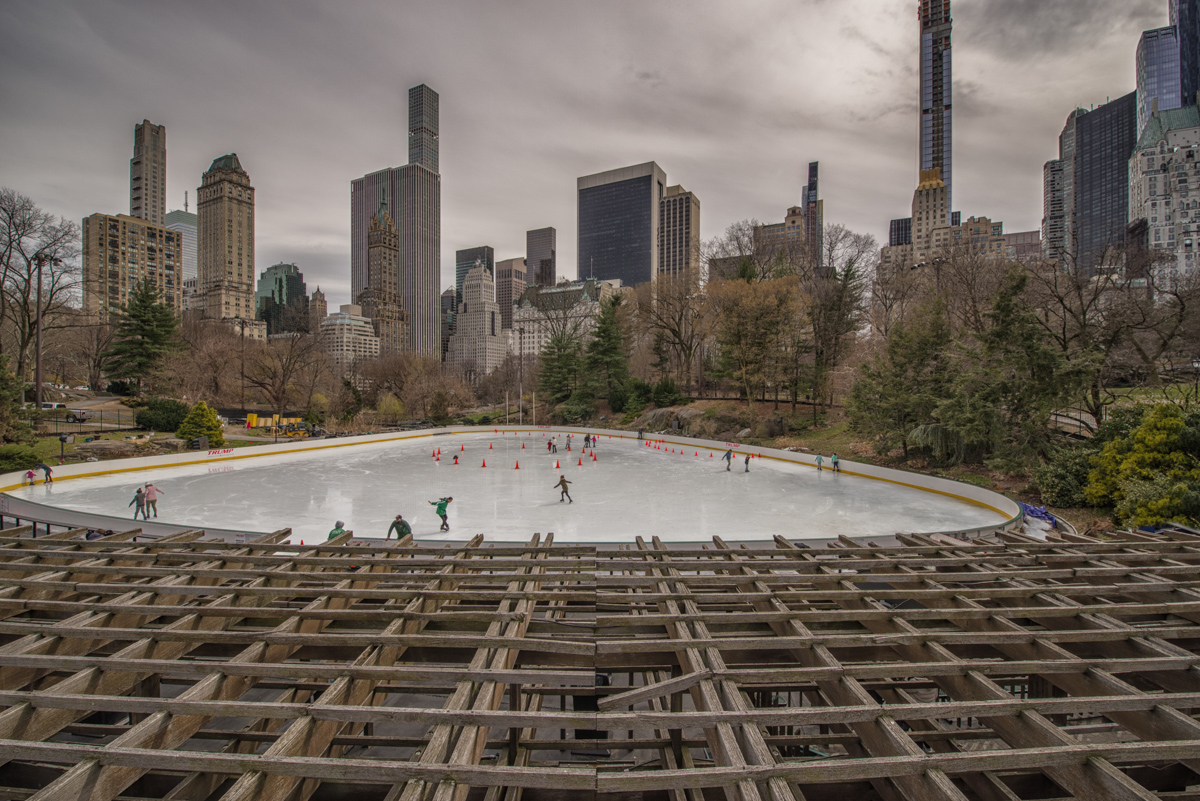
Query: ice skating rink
x,y
629,490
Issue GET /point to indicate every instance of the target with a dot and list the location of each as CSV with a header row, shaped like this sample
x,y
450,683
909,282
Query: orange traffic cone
x,y
484,463
555,464
593,456
518,466
433,454
581,461
439,451
489,446
522,446
462,447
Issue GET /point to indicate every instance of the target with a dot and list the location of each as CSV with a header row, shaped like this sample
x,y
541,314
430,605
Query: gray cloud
x,y
733,100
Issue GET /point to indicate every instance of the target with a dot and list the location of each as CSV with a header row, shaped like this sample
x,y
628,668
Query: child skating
x,y
728,457
440,510
562,484
139,499
834,461
820,461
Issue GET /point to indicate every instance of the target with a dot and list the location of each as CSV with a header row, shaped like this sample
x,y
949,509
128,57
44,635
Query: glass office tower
x,y
1158,74
1104,141
618,223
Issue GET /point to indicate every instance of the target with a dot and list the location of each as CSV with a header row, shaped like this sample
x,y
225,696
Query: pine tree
x,y
607,362
202,422
558,375
145,333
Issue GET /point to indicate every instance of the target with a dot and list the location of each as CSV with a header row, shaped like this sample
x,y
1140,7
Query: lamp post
x,y
521,373
62,448
40,259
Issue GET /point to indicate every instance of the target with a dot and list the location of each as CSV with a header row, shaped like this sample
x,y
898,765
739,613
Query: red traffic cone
x,y
518,466
489,446
697,453
593,456
439,451
522,446
581,461
462,447
301,542
710,456
555,464
433,454
438,459
484,463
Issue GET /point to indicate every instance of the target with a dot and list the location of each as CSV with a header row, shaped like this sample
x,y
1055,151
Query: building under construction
x,y
1005,669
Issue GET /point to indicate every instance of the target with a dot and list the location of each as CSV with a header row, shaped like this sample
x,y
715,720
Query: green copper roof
x,y
229,162
382,208
1171,120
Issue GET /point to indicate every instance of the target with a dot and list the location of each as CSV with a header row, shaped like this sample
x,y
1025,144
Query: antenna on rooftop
x,y
185,208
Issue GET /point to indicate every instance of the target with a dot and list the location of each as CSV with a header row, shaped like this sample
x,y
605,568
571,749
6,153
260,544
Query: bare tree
x,y
276,368
836,292
38,270
674,310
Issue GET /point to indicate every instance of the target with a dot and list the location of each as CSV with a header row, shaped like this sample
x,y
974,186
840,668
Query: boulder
x,y
745,432
171,444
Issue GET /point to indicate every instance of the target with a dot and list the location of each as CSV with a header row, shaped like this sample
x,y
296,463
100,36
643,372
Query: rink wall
x,y
1008,511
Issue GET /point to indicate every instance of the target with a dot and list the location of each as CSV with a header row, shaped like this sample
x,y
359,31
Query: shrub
x,y
1062,479
577,408
666,393
485,419
17,457
161,414
639,391
202,421
122,388
618,396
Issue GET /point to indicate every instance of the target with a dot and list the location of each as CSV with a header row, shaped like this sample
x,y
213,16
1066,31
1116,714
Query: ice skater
x,y
440,510
747,463
549,445
728,457
833,460
562,484
139,498
820,461
30,476
152,493
46,472
400,526
337,530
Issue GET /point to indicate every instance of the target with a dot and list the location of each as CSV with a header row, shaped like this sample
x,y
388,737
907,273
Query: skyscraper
x,y
225,253
318,310
281,299
1158,73
380,301
540,256
148,173
423,127
1054,214
465,260
511,279
1185,16
414,194
936,96
618,223
678,232
478,344
1104,140
184,223
814,216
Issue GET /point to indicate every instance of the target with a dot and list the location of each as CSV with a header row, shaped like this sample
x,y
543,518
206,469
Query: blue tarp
x,y
1040,513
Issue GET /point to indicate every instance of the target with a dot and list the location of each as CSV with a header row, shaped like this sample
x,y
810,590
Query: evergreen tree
x,y
145,332
12,428
607,361
903,386
202,422
558,376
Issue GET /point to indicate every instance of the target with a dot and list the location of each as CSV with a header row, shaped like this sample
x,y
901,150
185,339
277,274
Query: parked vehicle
x,y
49,405
79,415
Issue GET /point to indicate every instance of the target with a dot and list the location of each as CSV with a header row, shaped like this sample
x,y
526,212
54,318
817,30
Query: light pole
x,y
39,259
521,374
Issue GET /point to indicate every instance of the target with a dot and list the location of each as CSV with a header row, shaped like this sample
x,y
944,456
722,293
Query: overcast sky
x,y
732,99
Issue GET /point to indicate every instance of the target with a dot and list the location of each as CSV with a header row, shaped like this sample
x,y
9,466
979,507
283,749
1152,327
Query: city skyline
x,y
513,143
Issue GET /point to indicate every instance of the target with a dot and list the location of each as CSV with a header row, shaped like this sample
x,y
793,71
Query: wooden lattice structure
x,y
936,669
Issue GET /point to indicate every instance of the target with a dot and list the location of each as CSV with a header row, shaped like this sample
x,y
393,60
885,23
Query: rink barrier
x,y
1009,510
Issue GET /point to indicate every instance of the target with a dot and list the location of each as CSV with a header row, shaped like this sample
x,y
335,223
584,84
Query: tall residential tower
x,y
540,256
148,173
936,116
380,301
225,253
414,193
1158,74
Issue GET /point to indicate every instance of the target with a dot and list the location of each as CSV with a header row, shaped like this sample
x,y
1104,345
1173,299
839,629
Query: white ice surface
x,y
629,490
